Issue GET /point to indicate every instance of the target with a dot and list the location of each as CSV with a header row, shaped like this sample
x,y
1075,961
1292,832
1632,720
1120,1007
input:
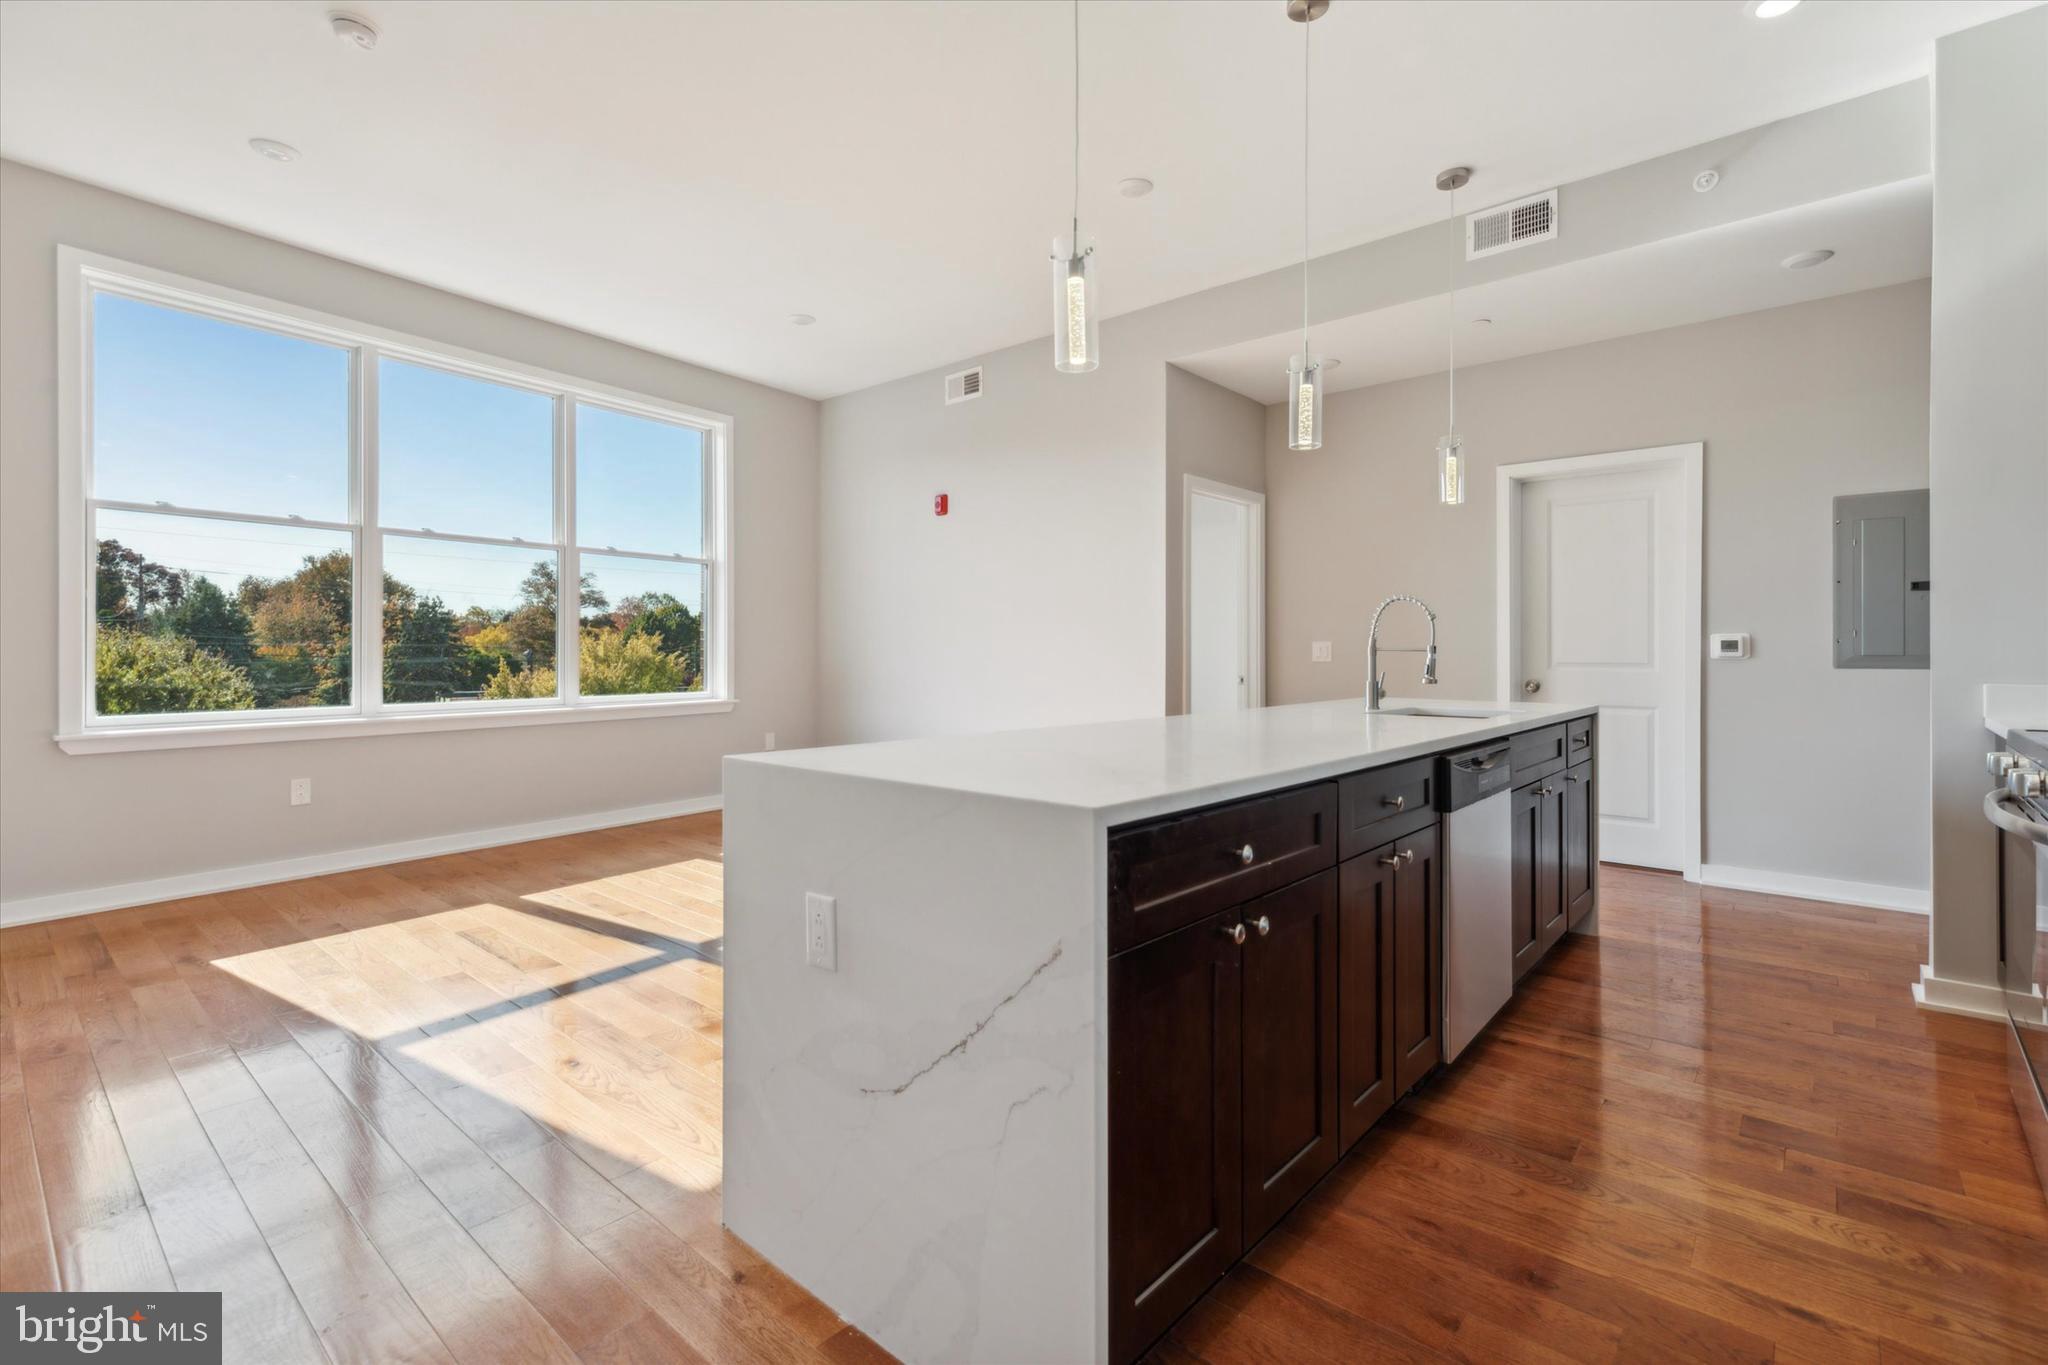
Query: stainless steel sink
x,y
1441,712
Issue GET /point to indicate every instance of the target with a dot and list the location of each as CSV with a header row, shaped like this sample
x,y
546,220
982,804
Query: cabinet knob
x,y
1235,933
1263,925
1397,802
1245,855
1407,855
1573,777
1391,860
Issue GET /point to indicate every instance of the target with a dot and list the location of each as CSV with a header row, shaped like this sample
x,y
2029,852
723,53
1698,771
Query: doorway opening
x,y
1223,597
1598,574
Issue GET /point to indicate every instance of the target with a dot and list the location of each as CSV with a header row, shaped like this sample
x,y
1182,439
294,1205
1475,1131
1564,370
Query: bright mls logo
x,y
165,1329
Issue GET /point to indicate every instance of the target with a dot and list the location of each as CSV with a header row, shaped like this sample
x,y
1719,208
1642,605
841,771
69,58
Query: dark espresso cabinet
x,y
1537,870
1223,1106
1276,985
1176,1201
1581,842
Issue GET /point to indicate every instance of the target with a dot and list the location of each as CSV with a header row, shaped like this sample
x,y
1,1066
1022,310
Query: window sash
x,y
83,276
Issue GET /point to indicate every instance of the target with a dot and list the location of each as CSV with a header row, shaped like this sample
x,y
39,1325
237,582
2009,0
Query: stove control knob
x,y
2028,784
1999,764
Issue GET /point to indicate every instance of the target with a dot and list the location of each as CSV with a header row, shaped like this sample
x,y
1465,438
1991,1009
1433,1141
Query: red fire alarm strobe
x,y
939,505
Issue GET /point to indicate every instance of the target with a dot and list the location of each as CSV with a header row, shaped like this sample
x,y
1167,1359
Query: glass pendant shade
x,y
1305,402
1076,312
1450,470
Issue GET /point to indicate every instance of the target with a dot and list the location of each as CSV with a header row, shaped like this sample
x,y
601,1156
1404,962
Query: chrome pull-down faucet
x,y
1375,680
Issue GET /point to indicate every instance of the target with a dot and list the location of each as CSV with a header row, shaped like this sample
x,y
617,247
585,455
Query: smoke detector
x,y
1705,180
352,29
271,149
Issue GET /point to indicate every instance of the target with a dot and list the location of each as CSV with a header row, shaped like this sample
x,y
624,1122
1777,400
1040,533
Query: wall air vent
x,y
1507,226
963,385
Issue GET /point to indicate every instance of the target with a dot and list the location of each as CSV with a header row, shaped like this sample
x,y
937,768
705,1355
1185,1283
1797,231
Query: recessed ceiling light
x,y
1806,260
1482,322
1705,180
1330,364
1134,187
1771,9
801,319
352,29
273,149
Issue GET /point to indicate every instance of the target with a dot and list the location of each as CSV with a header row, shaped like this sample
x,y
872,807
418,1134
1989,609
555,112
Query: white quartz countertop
x,y
1131,769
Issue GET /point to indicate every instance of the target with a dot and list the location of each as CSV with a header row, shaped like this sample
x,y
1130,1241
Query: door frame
x,y
1690,461
1193,485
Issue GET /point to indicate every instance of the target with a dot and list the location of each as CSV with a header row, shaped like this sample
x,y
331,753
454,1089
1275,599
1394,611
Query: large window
x,y
287,524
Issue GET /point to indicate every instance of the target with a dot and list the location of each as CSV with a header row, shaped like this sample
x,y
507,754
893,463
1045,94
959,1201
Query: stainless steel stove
x,y
2018,807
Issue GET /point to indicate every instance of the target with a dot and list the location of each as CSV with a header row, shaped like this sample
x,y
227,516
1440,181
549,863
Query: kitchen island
x,y
1085,1025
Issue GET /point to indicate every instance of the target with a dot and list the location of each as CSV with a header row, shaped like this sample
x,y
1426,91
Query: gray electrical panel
x,y
1881,583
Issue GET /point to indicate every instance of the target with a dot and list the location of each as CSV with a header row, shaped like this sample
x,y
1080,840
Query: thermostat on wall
x,y
1728,646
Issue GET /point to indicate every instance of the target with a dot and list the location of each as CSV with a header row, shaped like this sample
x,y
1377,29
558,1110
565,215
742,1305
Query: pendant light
x,y
1305,371
1450,447
1076,329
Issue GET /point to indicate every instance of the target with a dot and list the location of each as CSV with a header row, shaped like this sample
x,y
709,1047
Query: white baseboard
x,y
32,909
1876,895
1945,995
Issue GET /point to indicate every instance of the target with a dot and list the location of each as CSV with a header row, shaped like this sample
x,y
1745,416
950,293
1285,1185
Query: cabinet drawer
x,y
1537,753
1175,871
1384,803
1578,744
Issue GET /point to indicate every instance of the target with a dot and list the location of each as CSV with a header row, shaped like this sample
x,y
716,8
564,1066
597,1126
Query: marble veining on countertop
x,y
1132,768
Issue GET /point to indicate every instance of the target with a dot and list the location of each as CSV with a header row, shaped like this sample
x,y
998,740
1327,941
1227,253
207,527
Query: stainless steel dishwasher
x,y
1479,951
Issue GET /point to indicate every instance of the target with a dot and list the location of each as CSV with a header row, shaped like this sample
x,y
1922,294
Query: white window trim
x,y
79,731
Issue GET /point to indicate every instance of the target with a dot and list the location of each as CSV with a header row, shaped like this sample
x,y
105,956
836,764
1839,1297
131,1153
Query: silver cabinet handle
x,y
1391,860
1263,925
1397,802
1245,855
1573,777
1235,933
1532,687
1407,855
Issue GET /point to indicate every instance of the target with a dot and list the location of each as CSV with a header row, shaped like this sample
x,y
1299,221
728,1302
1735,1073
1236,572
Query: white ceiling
x,y
1880,236
684,176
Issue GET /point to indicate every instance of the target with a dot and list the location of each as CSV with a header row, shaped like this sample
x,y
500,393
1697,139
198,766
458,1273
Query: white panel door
x,y
1603,621
1219,604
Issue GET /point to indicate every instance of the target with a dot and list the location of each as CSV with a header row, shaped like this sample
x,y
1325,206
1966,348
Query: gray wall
x,y
1042,599
1211,433
1988,443
1795,405
73,822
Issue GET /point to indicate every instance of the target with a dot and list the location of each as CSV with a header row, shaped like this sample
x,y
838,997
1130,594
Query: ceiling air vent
x,y
963,385
1507,226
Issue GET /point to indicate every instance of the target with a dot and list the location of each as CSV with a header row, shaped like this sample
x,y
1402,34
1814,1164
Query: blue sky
x,y
200,413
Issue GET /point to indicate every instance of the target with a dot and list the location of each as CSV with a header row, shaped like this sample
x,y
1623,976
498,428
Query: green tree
x,y
679,630
615,664
541,588
212,620
425,660
128,588
508,684
139,674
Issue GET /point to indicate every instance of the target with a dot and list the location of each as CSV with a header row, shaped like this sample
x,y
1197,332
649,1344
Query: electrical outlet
x,y
1319,651
821,931
302,791
768,741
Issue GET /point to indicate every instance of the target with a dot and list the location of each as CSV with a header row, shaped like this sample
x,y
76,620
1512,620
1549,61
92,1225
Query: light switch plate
x,y
1319,651
821,931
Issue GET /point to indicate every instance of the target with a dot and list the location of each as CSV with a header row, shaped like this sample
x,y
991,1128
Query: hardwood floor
x,y
468,1108
1719,1132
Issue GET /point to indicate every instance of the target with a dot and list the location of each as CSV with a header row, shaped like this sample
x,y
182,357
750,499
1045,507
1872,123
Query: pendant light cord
x,y
1452,427
1306,30
1076,242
